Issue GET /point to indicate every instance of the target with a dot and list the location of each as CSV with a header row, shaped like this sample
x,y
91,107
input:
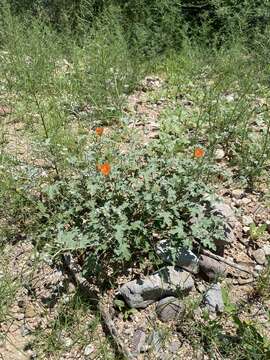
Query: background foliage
x,y
156,25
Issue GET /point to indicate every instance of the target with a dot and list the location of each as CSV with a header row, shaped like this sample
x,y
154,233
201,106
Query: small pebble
x,y
174,346
266,249
259,256
89,349
246,201
138,340
245,229
32,354
237,193
19,317
25,330
247,220
201,287
219,154
268,225
259,268
245,281
244,241
68,342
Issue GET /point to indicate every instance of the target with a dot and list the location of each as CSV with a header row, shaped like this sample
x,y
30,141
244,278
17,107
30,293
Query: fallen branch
x,y
83,284
228,262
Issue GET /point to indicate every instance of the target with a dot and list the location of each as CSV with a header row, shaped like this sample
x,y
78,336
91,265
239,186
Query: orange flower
x,y
105,168
99,131
198,153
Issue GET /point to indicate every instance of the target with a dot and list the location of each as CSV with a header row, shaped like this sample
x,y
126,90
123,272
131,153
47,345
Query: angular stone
x,y
258,268
174,346
246,201
155,340
169,309
237,193
89,349
211,267
168,281
138,341
259,256
225,211
246,229
183,258
213,298
25,330
219,154
247,220
266,249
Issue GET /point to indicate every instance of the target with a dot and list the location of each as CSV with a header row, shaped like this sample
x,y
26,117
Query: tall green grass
x,y
62,79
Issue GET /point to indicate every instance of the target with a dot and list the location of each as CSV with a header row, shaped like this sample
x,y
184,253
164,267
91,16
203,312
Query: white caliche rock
x,y
181,257
213,299
168,281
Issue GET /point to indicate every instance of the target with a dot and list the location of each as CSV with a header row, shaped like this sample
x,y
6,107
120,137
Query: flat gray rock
x,y
168,281
169,309
181,257
213,299
211,267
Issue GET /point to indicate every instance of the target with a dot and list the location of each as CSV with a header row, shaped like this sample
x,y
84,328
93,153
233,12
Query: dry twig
x,y
82,283
228,262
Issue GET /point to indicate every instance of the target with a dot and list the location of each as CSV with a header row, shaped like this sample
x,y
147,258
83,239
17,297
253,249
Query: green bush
x,y
156,25
119,217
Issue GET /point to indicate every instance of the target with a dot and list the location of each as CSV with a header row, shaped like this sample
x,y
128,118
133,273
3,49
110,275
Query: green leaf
x,y
120,304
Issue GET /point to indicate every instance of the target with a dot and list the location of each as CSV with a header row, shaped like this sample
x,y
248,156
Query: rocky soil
x,y
152,311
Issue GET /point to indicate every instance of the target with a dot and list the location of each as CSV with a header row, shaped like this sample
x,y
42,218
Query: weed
x,y
8,290
262,287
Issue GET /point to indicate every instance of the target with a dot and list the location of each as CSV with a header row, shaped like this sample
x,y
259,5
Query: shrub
x,y
118,215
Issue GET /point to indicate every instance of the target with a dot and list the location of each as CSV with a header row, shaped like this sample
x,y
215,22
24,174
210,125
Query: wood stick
x,y
82,283
228,262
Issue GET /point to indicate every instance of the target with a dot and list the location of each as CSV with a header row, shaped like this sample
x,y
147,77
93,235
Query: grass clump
x,y
247,342
8,290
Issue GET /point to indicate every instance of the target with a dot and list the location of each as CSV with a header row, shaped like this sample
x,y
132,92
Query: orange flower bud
x,y
199,152
99,131
105,168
